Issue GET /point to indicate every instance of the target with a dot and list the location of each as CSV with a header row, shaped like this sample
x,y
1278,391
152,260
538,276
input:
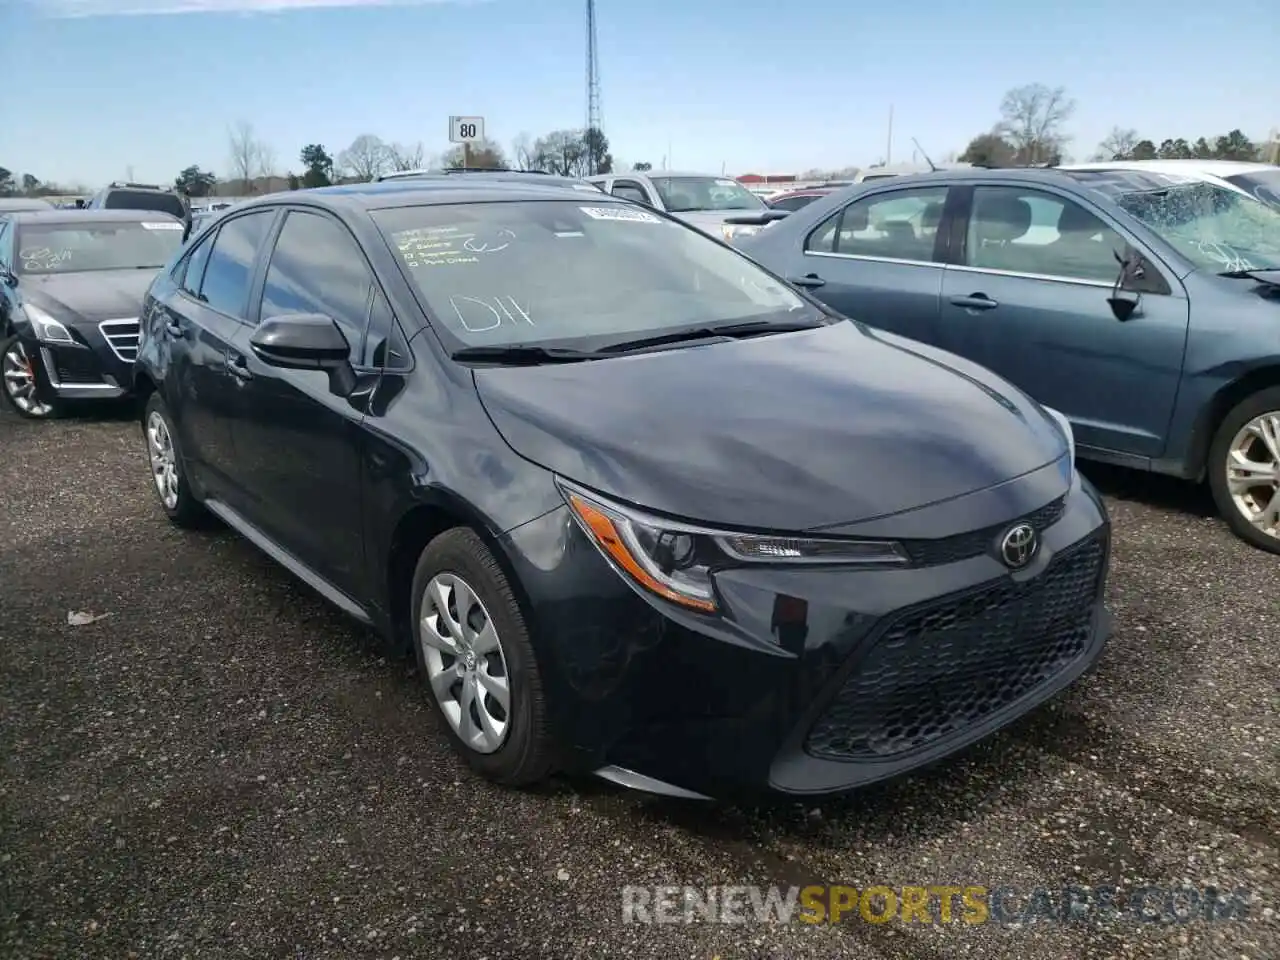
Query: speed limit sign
x,y
466,129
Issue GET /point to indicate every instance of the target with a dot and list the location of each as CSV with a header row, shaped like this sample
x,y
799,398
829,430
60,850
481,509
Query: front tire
x,y
475,656
1244,469
20,370
168,474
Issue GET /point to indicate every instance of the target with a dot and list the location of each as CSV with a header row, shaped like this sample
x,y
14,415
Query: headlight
x,y
676,560
733,231
1065,426
47,328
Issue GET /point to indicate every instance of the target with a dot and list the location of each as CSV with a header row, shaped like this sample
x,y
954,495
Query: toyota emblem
x,y
1019,545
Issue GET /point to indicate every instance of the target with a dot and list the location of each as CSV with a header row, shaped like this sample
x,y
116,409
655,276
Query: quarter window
x,y
229,271
1028,231
901,225
317,267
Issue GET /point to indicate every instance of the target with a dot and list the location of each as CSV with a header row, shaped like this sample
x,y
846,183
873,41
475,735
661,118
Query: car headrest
x,y
1003,218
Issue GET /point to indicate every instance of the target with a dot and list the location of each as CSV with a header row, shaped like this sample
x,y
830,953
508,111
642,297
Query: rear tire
x,y
168,472
23,386
1244,469
469,634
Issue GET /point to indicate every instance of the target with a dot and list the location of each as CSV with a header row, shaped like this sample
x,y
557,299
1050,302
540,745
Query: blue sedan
x,y
1144,307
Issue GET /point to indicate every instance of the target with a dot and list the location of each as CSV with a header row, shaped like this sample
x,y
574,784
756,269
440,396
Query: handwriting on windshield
x,y
480,315
449,246
43,258
1230,259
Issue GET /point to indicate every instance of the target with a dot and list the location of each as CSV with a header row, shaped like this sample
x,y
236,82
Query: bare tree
x,y
522,154
245,153
1118,145
483,155
366,158
1032,120
266,162
402,157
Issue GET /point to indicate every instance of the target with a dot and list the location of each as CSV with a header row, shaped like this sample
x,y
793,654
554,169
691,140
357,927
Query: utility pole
x,y
888,150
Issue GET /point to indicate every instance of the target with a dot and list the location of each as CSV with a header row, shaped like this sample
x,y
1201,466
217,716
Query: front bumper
x,y
98,366
814,681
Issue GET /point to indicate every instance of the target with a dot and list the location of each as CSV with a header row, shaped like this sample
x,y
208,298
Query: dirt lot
x,y
223,767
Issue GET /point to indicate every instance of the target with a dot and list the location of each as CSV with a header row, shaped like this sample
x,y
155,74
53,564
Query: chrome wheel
x,y
20,381
465,663
164,460
1253,472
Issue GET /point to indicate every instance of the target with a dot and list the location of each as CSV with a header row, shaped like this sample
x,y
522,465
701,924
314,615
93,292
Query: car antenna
x,y
932,168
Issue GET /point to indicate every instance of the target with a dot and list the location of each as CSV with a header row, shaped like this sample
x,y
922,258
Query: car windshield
x,y
534,272
692,194
1263,184
78,247
1216,228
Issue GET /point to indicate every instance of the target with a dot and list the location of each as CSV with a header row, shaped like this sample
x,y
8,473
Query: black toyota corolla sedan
x,y
71,291
639,508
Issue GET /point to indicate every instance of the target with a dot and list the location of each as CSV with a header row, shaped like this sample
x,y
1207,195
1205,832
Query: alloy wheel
x,y
1253,472
20,381
164,460
465,663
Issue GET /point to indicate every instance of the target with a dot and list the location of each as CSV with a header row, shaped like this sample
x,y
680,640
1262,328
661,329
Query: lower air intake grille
x,y
940,669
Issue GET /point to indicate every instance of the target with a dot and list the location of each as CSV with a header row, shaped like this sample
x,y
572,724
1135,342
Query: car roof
x,y
456,172
82,215
661,174
414,193
18,204
1214,168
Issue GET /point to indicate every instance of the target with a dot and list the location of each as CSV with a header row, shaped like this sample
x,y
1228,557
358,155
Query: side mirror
x,y
8,276
301,341
1122,307
1131,268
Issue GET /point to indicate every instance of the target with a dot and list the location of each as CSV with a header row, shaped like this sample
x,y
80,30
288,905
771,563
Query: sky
x,y
101,89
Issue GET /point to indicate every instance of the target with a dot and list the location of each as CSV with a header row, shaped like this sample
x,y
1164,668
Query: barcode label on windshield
x,y
619,213
156,225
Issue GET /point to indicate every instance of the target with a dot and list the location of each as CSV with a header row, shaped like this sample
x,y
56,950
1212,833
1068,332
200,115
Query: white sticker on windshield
x,y
619,213
726,183
156,225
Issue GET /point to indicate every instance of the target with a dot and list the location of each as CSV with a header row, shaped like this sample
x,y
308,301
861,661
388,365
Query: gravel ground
x,y
224,767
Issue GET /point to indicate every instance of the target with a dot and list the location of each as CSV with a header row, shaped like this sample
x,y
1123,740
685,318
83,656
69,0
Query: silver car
x,y
701,200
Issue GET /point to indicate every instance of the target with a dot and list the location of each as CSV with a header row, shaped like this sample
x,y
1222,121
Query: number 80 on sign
x,y
466,129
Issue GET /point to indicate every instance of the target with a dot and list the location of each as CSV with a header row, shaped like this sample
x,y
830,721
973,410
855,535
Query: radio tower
x,y
593,92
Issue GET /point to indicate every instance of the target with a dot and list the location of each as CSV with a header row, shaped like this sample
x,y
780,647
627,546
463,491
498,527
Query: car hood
x,y
784,432
90,296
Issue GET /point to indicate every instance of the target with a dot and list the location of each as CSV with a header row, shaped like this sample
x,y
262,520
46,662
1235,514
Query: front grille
x,y
122,337
965,546
944,667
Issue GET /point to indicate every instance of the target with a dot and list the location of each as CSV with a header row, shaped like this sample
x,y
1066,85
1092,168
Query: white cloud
x,y
65,9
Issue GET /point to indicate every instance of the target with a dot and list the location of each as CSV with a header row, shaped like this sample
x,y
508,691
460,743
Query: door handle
x,y
810,280
238,367
975,301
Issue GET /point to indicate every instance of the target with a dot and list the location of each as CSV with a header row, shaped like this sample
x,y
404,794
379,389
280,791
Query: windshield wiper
x,y
745,328
524,355
1264,274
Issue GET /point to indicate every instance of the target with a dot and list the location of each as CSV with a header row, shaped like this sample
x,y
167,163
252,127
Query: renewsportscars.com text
x,y
934,904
